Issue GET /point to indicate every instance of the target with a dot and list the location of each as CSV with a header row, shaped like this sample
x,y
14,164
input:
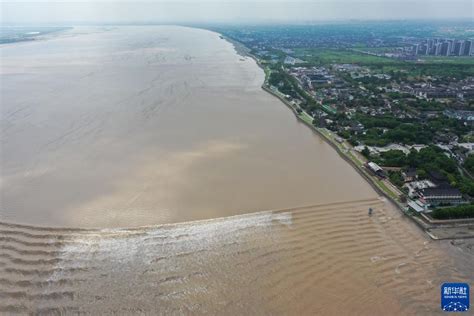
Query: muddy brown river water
x,y
229,204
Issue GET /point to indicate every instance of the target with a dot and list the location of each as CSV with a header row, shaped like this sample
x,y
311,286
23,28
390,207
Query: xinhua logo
x,y
455,297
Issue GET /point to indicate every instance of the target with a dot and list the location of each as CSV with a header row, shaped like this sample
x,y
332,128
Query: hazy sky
x,y
244,11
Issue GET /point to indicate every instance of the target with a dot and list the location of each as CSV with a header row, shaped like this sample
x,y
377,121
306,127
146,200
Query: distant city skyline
x,y
228,11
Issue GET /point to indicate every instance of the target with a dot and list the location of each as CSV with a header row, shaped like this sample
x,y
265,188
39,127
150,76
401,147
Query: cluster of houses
x,y
424,194
462,89
289,60
431,192
460,115
356,71
312,76
327,86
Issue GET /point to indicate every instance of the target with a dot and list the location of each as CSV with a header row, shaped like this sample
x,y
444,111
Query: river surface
x,y
148,125
165,132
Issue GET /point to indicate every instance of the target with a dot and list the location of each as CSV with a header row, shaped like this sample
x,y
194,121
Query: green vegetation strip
x,y
461,211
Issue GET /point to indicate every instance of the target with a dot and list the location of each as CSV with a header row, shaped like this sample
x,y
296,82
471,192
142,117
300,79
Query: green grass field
x,y
322,56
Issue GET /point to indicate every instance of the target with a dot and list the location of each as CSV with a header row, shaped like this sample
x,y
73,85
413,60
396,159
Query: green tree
x,y
469,164
396,178
366,152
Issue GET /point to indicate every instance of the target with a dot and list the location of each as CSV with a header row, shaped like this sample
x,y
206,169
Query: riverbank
x,y
436,231
339,148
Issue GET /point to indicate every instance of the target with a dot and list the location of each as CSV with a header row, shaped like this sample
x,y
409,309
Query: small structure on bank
x,y
409,175
417,206
375,169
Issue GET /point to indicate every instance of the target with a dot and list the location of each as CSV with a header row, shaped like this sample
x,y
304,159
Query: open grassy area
x,y
323,56
306,117
386,190
267,72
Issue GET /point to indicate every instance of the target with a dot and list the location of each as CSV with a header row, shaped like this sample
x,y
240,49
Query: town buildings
x,y
444,47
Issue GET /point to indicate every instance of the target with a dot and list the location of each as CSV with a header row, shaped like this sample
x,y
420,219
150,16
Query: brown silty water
x,y
147,125
327,259
163,126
